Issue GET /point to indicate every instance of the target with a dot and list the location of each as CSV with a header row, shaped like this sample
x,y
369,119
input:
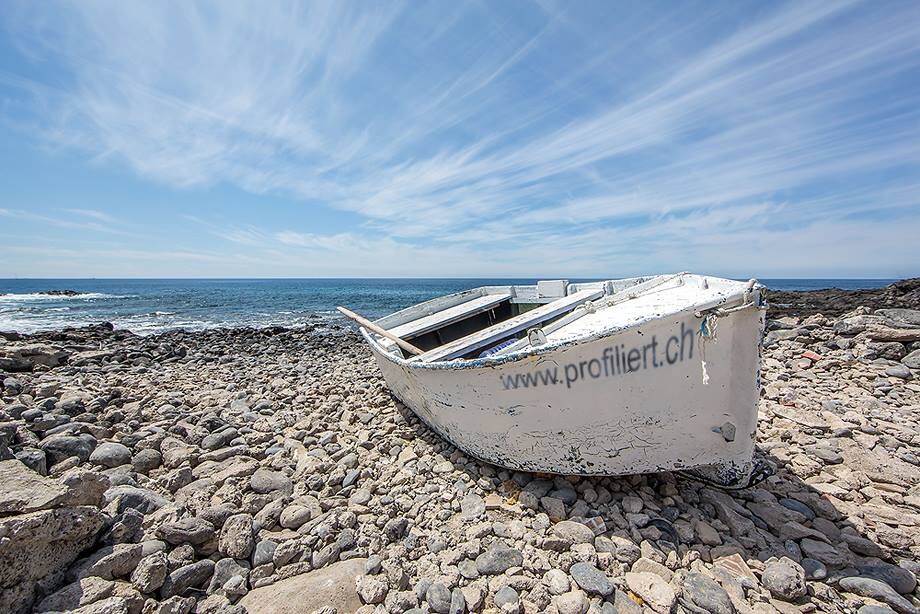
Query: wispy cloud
x,y
493,130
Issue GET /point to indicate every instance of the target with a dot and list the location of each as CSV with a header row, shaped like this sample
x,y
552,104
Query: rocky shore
x,y
271,471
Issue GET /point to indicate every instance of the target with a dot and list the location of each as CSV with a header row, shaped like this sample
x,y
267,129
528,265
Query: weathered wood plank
x,y
448,316
501,330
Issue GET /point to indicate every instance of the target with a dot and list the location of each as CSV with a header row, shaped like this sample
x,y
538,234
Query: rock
x,y
457,602
591,579
150,572
823,552
657,593
706,534
23,490
77,594
146,460
557,581
570,532
498,558
574,602
40,544
506,599
192,530
236,536
705,593
472,506
120,498
438,597
896,577
25,357
785,579
264,552
867,587
186,578
333,586
264,481
60,448
226,573
912,360
109,562
110,454
623,549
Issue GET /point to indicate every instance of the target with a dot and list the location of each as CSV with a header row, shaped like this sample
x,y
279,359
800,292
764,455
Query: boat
x,y
614,377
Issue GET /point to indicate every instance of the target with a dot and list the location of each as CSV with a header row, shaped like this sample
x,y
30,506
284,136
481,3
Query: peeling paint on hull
x,y
660,416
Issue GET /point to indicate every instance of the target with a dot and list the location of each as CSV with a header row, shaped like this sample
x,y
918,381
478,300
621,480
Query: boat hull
x,y
662,395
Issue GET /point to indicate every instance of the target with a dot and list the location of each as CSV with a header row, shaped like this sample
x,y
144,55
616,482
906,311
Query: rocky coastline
x,y
270,470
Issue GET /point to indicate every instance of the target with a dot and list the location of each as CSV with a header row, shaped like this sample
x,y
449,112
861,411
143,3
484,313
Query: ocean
x,y
147,306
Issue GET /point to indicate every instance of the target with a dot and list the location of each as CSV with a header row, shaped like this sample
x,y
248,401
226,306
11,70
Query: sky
x,y
459,139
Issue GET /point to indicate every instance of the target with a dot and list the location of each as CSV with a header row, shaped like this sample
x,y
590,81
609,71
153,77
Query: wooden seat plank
x,y
448,316
499,331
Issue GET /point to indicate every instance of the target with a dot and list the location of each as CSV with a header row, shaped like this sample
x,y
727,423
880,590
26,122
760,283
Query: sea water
x,y
148,306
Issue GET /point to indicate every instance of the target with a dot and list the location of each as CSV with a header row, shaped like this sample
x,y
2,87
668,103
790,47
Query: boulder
x,y
333,586
41,544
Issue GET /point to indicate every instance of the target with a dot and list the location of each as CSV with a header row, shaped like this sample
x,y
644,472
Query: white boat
x,y
603,378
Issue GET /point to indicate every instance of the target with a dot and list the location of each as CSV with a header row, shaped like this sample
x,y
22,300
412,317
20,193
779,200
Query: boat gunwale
x,y
503,359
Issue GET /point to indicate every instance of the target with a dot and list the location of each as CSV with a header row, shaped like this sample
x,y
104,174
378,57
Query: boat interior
x,y
492,321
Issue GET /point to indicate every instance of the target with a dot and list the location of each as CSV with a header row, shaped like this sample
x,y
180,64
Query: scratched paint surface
x,y
648,420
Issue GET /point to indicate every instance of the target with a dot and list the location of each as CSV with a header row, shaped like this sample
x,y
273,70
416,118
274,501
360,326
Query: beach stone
x,y
186,578
264,481
236,536
77,594
144,500
912,360
591,579
457,602
557,581
823,552
192,530
438,597
814,570
657,593
506,599
785,579
110,454
898,578
60,448
146,460
472,506
228,572
498,558
573,602
333,586
23,490
705,593
150,572
264,552
570,532
867,587
109,562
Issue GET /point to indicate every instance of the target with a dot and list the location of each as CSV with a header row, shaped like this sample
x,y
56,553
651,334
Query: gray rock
x,y
507,599
591,579
438,597
785,579
896,577
23,490
705,593
186,578
264,552
236,536
192,530
814,570
146,460
912,360
867,587
571,532
264,481
900,371
472,506
144,500
226,570
150,572
34,459
110,454
457,602
60,448
652,588
109,562
823,552
498,558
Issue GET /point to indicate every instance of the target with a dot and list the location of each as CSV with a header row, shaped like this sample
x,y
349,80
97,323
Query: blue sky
x,y
175,139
